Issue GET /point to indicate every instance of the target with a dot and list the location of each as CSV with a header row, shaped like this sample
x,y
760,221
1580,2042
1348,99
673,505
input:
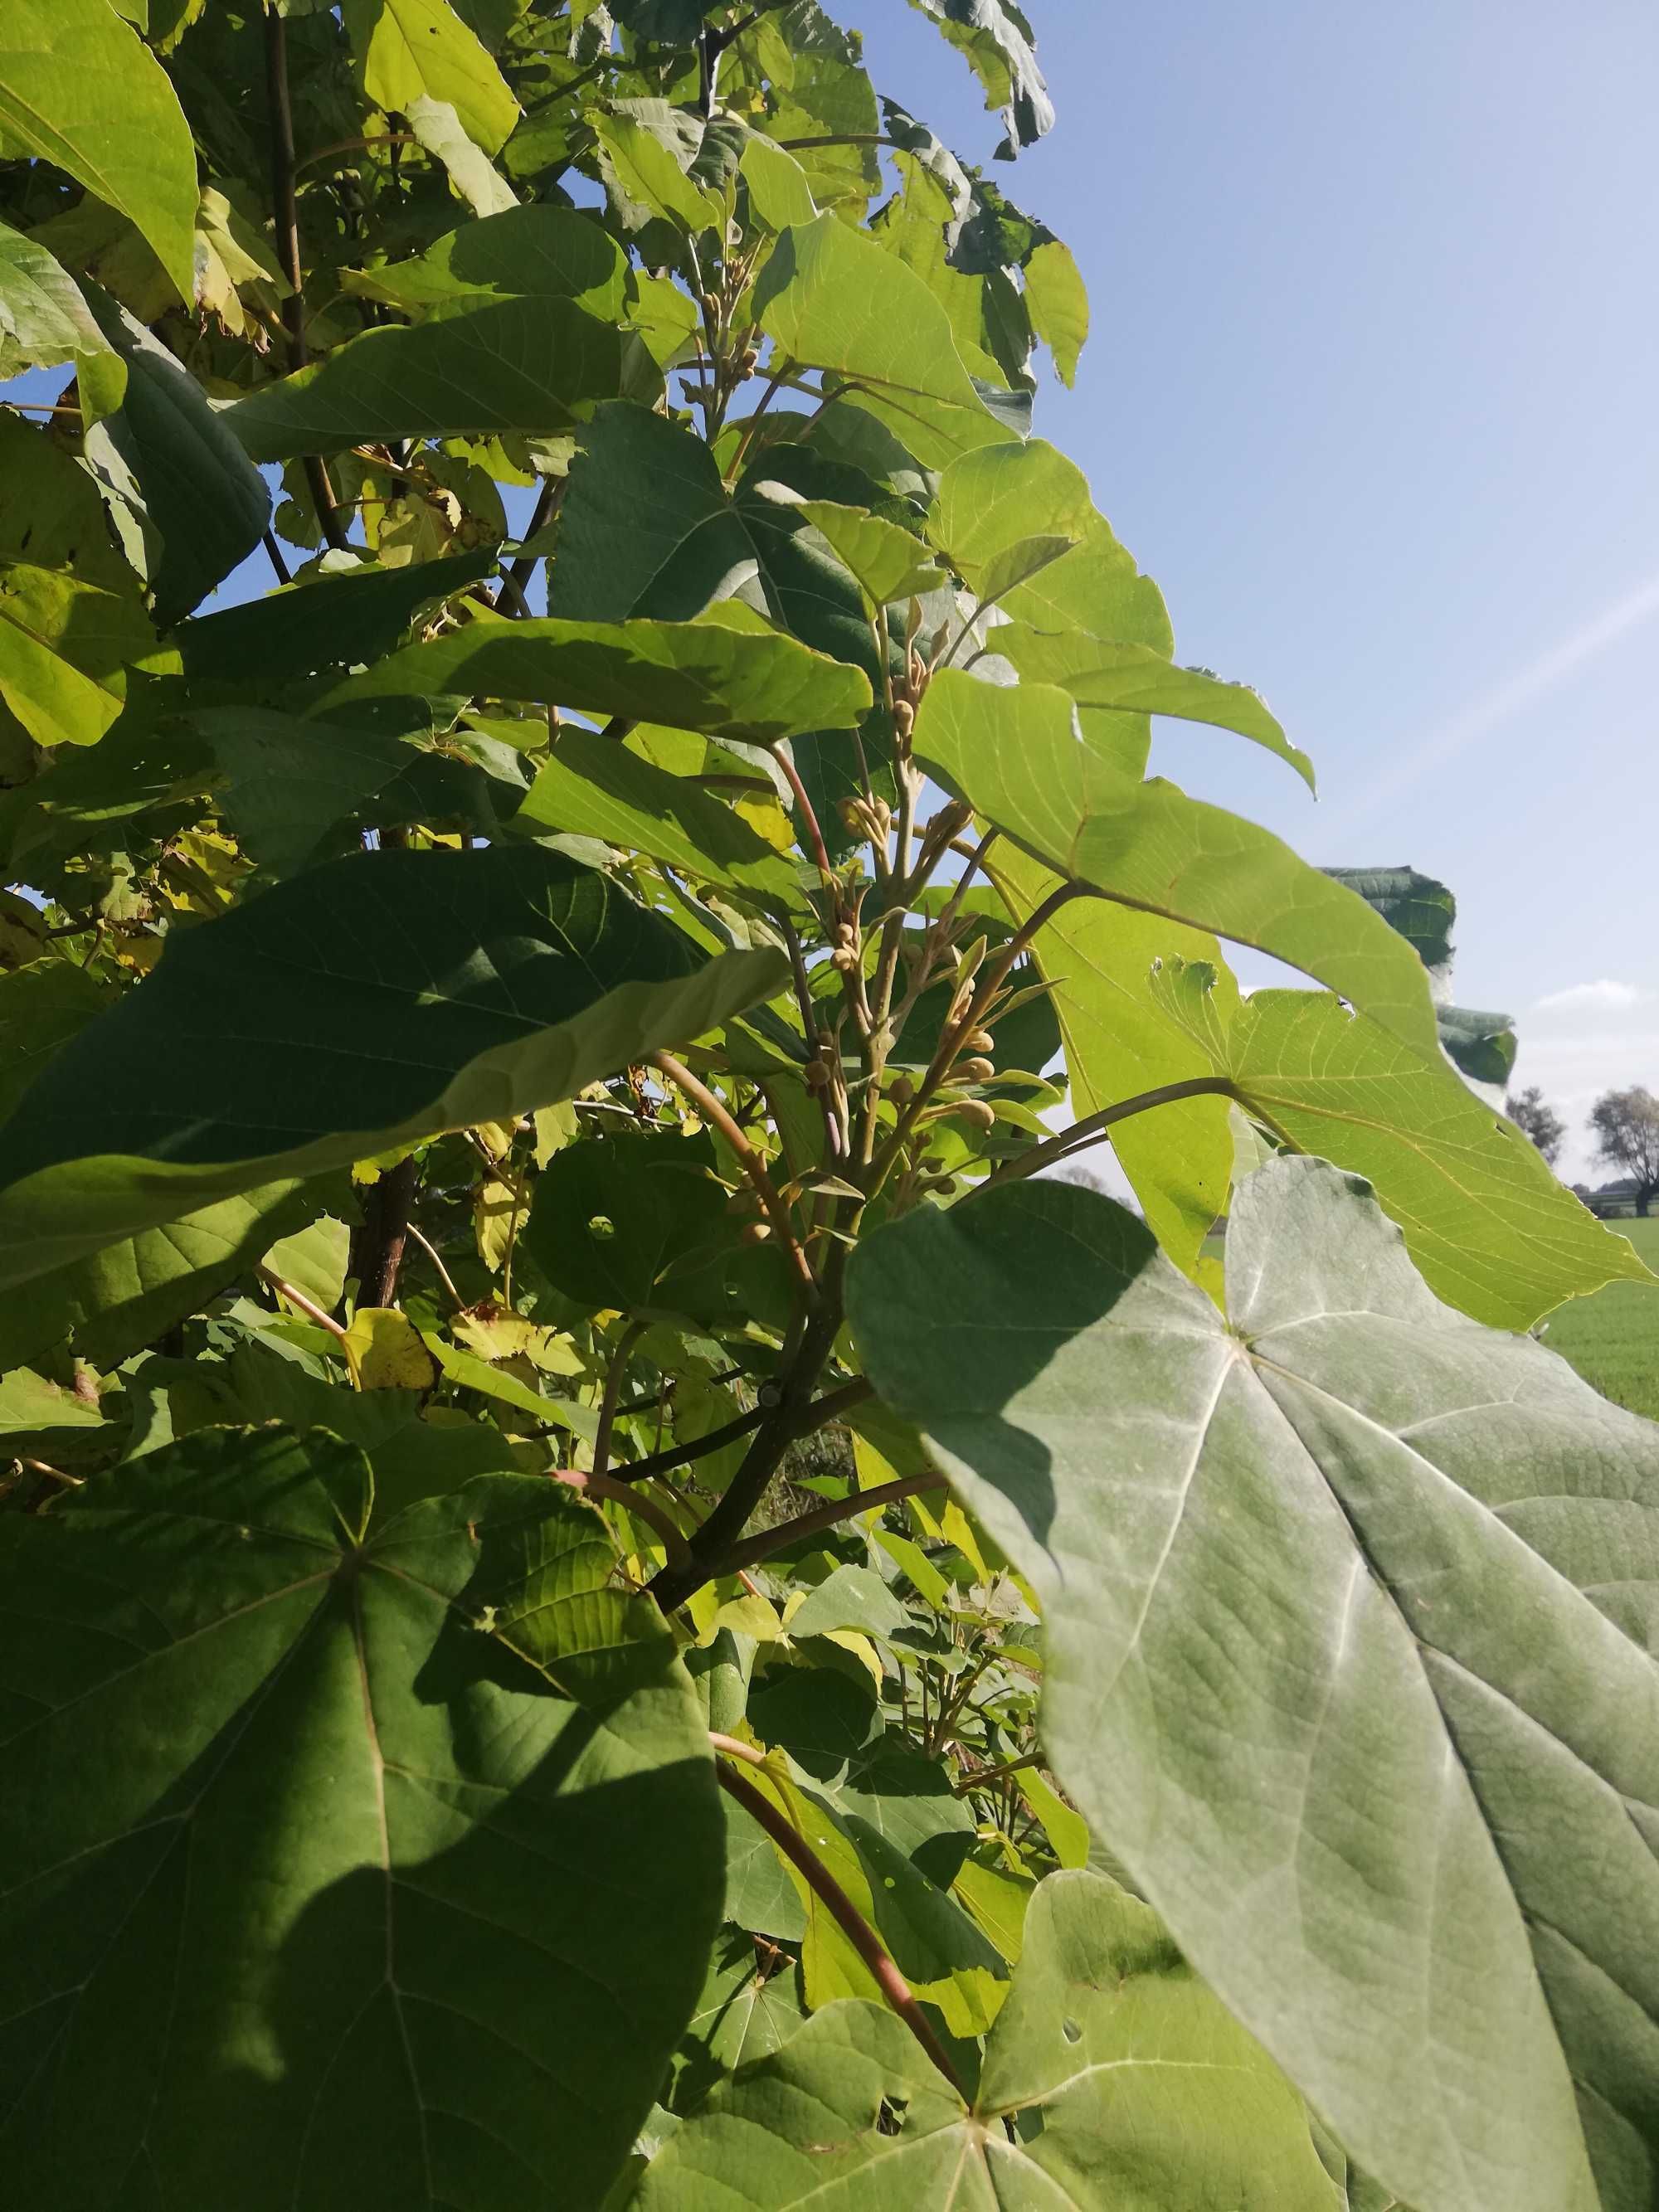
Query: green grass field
x,y
1612,1339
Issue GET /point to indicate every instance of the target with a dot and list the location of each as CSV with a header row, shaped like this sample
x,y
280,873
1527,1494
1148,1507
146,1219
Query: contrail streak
x,y
1509,699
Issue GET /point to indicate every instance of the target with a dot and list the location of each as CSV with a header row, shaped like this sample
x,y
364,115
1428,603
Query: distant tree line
x,y
1624,1123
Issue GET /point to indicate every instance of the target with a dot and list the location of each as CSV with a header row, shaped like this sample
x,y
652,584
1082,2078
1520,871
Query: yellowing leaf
x,y
386,1351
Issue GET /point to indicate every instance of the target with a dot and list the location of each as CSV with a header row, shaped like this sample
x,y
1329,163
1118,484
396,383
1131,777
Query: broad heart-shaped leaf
x,y
333,621
612,1215
411,50
1120,1041
596,787
1491,1229
1077,805
79,89
730,675
369,1003
43,319
1350,1608
291,791
550,253
1125,2086
1134,680
831,298
306,1834
646,527
523,364
179,464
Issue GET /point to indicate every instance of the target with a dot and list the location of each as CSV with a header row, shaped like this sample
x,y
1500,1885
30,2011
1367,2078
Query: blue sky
x,y
1372,393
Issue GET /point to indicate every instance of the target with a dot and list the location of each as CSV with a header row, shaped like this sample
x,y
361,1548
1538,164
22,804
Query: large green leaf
x,y
77,89
51,513
42,1006
1113,2081
411,50
1003,512
1491,1228
1120,1040
65,649
1349,1620
1134,680
293,791
730,675
831,298
331,621
1079,806
116,1301
371,1002
595,787
179,464
612,1215
544,253
646,527
304,1831
44,320
524,364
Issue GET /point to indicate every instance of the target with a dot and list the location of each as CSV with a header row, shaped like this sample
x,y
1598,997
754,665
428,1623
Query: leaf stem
x,y
309,1307
1088,1131
613,1383
655,1516
444,1275
853,1925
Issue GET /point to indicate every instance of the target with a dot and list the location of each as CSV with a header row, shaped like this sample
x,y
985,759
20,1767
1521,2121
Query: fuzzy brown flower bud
x,y
976,1112
978,1070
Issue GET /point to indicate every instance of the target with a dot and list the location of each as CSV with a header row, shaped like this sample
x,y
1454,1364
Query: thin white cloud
x,y
1514,697
1602,997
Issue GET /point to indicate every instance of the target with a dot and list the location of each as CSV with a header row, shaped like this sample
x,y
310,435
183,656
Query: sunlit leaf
x,y
1411,1560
